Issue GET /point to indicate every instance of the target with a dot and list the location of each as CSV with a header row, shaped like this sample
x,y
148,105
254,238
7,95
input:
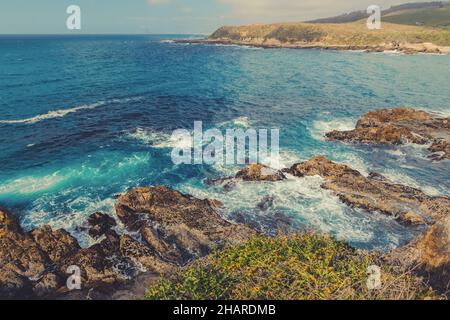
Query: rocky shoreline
x,y
166,229
170,229
401,126
406,48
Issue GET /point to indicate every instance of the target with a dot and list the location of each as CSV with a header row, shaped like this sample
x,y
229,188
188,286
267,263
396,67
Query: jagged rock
x,y
409,205
377,177
27,258
259,172
412,218
14,285
398,115
94,264
253,172
399,126
100,224
177,227
440,149
428,255
142,255
35,264
19,254
48,284
58,244
386,134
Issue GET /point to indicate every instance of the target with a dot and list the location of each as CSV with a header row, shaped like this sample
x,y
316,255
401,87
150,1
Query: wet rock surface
x,y
21,259
100,224
374,193
168,229
428,255
400,126
251,173
259,172
175,228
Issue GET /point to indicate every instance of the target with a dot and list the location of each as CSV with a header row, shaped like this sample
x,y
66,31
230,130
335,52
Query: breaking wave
x,y
321,127
63,112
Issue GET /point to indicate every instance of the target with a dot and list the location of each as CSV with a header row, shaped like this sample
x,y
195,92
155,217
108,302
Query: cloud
x,y
297,10
158,2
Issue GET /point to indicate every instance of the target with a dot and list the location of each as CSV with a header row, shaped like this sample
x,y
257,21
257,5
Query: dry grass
x,y
348,34
297,267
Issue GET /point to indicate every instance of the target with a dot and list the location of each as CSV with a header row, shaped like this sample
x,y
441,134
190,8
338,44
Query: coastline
x,y
406,48
173,230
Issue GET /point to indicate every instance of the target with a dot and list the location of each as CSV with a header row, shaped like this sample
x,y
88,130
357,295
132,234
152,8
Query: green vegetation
x,y
432,17
343,34
297,267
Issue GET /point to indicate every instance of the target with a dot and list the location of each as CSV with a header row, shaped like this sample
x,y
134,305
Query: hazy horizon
x,y
165,17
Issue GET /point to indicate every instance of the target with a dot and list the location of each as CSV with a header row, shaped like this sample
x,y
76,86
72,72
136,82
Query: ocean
x,y
83,118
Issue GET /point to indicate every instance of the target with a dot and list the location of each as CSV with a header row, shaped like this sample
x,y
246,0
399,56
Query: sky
x,y
166,16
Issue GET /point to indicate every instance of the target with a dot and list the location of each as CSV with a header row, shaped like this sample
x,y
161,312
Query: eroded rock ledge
x,y
400,126
175,228
375,192
170,229
428,255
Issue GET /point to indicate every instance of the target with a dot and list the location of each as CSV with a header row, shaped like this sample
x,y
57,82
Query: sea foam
x,y
305,204
321,127
63,112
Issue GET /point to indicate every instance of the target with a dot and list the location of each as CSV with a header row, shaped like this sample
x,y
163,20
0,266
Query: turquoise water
x,y
84,118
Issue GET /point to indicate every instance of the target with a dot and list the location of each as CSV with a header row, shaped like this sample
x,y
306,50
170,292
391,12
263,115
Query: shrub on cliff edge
x,y
296,267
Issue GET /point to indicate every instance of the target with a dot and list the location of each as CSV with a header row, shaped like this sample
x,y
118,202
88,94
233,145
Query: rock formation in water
x,y
259,172
374,193
400,126
428,255
175,229
253,172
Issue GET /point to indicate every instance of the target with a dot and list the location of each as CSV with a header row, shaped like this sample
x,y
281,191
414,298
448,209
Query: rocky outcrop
x,y
440,149
177,227
259,172
21,259
428,256
351,36
34,264
374,193
251,173
100,224
57,245
399,126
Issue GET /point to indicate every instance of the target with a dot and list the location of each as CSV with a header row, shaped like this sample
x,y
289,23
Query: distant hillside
x,y
433,17
344,36
435,14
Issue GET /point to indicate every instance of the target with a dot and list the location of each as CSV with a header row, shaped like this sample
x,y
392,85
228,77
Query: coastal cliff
x,y
344,36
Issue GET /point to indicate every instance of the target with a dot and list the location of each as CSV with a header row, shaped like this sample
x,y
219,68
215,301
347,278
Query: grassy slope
x,y
298,267
349,34
398,26
432,17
